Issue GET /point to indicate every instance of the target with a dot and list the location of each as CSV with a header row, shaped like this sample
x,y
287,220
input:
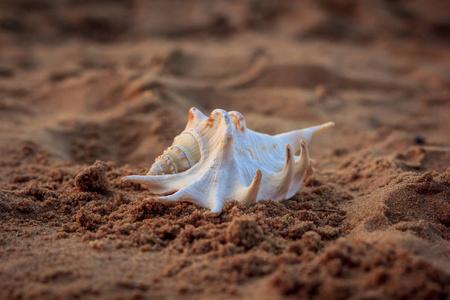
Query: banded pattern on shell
x,y
218,159
179,157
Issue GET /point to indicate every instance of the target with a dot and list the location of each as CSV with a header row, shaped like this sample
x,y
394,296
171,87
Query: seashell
x,y
218,159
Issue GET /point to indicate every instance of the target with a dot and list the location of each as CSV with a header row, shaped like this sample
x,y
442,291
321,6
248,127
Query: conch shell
x,y
218,159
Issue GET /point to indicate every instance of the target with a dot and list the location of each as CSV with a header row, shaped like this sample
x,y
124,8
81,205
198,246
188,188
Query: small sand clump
x,y
93,179
244,232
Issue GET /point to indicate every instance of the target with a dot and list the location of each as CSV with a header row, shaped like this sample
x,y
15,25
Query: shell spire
x,y
217,159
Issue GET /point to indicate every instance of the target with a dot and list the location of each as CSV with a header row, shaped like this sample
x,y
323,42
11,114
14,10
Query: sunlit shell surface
x,y
218,159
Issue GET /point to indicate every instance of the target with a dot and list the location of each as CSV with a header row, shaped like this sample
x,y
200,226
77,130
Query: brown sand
x,y
91,91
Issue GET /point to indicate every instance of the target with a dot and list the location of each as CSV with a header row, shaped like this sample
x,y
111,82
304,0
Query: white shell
x,y
217,159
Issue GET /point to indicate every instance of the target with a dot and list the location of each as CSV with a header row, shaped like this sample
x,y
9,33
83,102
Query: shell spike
x,y
217,209
285,176
301,169
251,193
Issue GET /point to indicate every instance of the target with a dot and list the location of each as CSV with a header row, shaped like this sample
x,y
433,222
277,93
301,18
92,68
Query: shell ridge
x,y
252,157
272,157
199,192
246,164
224,181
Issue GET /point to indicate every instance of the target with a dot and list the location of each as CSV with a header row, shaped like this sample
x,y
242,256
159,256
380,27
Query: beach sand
x,y
92,91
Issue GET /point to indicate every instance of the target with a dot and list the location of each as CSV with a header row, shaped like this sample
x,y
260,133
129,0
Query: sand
x,y
92,91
